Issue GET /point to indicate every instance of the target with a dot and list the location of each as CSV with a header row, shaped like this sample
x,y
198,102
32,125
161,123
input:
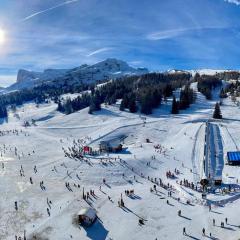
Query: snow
x,y
206,71
181,140
210,72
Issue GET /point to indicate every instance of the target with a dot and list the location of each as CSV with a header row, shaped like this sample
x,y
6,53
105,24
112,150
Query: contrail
x,y
48,9
99,51
167,34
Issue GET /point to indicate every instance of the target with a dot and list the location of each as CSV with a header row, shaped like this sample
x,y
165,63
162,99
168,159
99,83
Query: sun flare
x,y
2,36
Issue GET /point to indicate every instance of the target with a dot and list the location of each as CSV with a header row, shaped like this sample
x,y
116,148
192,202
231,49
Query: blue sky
x,y
158,34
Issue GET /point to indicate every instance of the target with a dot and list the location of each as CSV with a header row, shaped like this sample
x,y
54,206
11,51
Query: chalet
x,y
86,216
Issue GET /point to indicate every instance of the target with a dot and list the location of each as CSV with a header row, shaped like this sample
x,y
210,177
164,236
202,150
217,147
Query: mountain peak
x,y
25,75
111,68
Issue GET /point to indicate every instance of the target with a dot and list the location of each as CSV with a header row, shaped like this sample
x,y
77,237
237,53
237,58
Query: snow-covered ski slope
x,y
178,141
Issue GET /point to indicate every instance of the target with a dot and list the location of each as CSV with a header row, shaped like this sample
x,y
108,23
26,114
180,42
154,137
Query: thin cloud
x,y
6,80
48,9
136,62
99,51
168,34
237,2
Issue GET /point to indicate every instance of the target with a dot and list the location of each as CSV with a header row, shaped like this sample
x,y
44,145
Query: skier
x,y
48,211
203,231
179,213
184,231
16,206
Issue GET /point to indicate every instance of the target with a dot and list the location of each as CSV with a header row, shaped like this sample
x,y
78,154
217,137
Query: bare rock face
x,y
24,75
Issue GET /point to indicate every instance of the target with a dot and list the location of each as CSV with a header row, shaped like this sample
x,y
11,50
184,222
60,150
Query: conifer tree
x,y
60,107
68,106
124,102
122,107
132,105
91,108
175,109
217,112
146,107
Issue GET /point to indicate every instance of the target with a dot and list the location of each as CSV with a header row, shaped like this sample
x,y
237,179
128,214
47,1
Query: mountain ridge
x,y
110,68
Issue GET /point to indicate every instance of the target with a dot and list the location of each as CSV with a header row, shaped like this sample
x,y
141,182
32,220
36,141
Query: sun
x,y
2,36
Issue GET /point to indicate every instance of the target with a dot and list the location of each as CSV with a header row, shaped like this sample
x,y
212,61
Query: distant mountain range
x,y
201,71
109,69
